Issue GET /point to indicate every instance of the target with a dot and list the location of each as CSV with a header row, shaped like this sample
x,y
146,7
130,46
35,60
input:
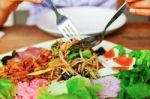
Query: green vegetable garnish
x,y
121,49
139,91
72,56
86,53
58,88
54,47
142,57
135,83
73,50
77,88
7,89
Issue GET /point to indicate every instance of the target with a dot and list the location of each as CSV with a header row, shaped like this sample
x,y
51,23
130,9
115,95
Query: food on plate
x,y
110,87
135,83
27,90
114,52
7,89
114,60
60,63
75,88
66,72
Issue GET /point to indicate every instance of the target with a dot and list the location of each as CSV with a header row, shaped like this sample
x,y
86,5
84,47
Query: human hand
x,y
10,5
139,7
7,6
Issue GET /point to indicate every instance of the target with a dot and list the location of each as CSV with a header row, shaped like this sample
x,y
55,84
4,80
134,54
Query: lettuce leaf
x,y
7,89
57,88
82,87
139,90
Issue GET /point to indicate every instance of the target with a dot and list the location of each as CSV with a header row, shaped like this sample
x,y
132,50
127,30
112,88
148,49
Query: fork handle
x,y
115,17
50,4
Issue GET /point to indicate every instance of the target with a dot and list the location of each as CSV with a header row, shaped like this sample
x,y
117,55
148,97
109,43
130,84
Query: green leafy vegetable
x,y
77,88
82,88
136,79
57,88
7,89
121,49
139,91
142,57
135,83
46,95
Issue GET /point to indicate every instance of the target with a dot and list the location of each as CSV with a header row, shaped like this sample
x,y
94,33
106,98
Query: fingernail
x,y
132,10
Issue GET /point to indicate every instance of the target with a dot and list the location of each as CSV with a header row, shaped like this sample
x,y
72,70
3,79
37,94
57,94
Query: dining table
x,y
132,35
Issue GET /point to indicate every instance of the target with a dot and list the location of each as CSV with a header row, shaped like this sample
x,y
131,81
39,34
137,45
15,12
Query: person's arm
x,y
139,7
3,17
7,6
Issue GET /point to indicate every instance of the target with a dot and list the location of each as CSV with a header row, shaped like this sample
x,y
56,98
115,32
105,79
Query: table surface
x,y
131,35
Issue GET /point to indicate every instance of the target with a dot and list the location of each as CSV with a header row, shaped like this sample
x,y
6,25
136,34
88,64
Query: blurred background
x,y
135,34
19,17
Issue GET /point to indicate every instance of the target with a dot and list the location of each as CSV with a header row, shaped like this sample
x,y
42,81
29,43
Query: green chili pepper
x,y
72,56
74,50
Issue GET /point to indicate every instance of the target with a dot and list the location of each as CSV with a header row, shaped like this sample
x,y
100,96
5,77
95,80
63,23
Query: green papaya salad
x,y
64,72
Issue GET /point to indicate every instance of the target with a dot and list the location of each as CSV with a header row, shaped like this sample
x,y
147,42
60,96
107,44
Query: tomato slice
x,y
110,53
124,60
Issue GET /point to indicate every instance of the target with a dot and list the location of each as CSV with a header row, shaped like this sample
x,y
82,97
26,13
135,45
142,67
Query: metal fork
x,y
64,25
97,39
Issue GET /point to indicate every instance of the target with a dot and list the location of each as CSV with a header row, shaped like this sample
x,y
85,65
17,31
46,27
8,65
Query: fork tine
x,y
64,33
67,31
73,29
70,32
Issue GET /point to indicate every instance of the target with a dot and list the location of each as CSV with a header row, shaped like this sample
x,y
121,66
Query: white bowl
x,y
87,20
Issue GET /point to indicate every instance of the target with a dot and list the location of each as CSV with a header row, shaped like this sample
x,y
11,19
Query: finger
x,y
143,12
129,1
34,1
141,4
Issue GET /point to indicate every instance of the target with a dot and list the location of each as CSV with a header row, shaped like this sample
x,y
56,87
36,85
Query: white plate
x,y
87,20
105,44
